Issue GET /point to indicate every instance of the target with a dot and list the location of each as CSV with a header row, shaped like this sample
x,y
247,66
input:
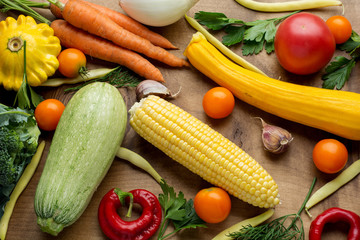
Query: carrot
x,y
97,47
82,15
126,22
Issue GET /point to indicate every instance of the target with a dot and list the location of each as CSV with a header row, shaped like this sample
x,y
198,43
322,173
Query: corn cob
x,y
203,151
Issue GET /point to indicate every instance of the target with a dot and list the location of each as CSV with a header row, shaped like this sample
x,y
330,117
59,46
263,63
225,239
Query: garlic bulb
x,y
275,139
157,13
152,87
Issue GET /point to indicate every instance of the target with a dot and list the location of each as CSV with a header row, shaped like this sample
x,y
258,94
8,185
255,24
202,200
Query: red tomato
x,y
330,155
304,44
218,102
212,205
72,62
340,28
48,113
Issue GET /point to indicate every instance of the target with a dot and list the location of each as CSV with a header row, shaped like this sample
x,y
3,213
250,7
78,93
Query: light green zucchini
x,y
83,148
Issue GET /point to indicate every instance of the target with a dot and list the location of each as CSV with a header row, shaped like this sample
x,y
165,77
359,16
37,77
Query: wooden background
x,y
293,171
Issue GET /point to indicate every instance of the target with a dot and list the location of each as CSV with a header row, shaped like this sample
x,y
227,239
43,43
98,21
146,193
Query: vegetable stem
x,y
57,3
35,4
22,99
23,6
19,188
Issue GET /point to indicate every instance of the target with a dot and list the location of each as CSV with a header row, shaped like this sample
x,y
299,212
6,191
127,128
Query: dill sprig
x,y
282,228
119,77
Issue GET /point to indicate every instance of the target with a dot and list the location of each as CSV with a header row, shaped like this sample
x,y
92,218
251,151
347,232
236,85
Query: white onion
x,y
157,13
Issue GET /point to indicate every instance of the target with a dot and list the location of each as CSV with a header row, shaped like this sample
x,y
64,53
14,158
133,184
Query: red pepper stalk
x,y
333,215
140,229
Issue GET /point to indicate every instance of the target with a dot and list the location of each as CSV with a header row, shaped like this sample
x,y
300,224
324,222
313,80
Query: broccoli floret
x,y
11,160
19,136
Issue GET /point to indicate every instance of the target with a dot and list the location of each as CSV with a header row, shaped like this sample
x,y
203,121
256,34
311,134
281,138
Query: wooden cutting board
x,y
293,171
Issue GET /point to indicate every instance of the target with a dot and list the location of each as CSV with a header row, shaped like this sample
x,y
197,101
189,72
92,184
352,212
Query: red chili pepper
x,y
142,228
333,215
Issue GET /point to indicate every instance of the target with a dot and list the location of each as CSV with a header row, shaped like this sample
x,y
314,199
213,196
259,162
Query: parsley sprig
x,y
178,211
255,35
337,73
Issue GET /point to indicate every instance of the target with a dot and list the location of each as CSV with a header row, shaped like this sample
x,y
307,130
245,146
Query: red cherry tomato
x,y
218,102
304,44
340,28
212,205
48,113
72,62
330,155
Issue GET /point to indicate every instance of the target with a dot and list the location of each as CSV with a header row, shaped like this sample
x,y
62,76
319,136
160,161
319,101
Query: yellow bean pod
x,y
347,175
288,5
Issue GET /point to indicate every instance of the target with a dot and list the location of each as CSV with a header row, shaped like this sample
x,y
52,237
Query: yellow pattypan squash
x,y
42,49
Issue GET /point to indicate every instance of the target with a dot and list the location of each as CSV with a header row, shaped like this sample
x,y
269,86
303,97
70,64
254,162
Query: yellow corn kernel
x,y
203,151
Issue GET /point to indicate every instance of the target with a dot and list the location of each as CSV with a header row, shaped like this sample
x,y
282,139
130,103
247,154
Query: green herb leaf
x,y
191,219
351,45
235,34
215,20
269,47
338,72
263,29
167,198
177,210
254,35
252,47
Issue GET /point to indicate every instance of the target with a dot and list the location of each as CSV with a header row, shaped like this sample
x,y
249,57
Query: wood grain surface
x,y
293,170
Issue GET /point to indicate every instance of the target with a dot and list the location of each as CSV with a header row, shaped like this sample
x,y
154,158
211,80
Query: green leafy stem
x,y
178,211
253,35
337,73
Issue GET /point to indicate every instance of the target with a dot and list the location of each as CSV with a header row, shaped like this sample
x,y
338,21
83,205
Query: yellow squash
x,y
42,49
337,112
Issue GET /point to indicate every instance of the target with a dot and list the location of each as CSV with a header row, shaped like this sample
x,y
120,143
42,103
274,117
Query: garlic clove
x,y
152,87
275,139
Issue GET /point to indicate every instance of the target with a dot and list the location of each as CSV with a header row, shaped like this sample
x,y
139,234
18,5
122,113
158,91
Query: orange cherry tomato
x,y
340,27
330,155
72,62
212,205
218,102
48,113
